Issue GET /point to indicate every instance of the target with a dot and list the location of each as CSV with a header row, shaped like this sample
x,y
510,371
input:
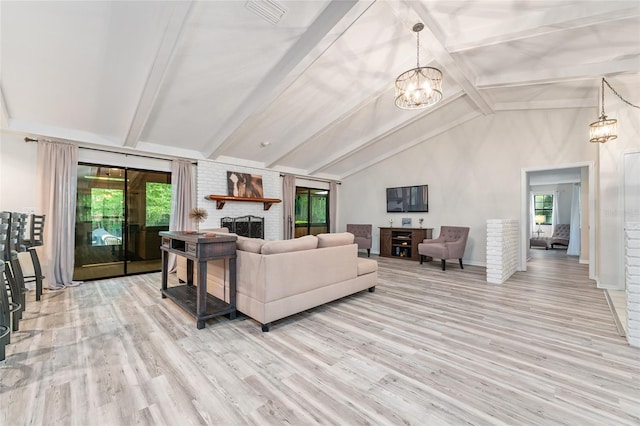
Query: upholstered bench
x,y
539,242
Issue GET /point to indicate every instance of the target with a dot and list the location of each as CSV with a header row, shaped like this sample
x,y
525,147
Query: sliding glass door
x,y
148,208
119,214
312,211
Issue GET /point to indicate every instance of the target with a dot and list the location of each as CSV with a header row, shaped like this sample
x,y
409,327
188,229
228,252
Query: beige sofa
x,y
276,279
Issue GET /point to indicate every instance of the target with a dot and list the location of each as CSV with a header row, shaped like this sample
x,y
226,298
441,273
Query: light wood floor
x,y
427,348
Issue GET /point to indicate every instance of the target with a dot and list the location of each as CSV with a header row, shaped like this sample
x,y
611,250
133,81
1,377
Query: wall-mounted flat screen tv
x,y
408,199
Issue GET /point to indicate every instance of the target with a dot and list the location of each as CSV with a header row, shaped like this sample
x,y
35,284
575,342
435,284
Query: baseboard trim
x,y
612,308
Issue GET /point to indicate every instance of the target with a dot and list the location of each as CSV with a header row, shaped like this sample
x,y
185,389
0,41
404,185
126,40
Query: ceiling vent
x,y
268,10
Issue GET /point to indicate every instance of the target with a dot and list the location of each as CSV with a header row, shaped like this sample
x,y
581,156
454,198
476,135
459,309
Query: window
x,y
312,211
543,205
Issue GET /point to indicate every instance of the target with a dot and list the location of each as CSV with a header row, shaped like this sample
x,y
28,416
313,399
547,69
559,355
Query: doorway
x,y
557,175
119,214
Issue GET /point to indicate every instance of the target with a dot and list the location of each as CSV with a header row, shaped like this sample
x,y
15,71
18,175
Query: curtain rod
x,y
337,182
28,139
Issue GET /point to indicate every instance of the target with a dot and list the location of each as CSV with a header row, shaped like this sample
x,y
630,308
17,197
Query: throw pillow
x,y
308,242
335,239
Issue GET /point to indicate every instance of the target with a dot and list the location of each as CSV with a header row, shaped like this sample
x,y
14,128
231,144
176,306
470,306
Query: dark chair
x,y
18,229
362,235
5,328
11,283
450,244
36,239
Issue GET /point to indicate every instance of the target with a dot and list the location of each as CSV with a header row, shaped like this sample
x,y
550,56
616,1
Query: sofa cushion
x,y
335,239
308,242
366,266
254,245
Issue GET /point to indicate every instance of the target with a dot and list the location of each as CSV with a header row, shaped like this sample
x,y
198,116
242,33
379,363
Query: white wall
x,y
18,174
610,214
473,171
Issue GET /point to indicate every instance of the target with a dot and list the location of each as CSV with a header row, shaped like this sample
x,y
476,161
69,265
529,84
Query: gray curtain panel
x,y
288,206
57,184
333,206
182,201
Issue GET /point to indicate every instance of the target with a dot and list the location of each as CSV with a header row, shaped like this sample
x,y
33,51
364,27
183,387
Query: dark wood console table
x,y
199,248
403,242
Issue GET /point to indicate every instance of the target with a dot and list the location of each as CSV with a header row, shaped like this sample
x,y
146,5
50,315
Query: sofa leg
x,y
443,264
461,267
372,289
421,258
368,252
265,328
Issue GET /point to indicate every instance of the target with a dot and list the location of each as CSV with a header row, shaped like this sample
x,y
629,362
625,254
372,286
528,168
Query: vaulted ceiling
x,y
301,86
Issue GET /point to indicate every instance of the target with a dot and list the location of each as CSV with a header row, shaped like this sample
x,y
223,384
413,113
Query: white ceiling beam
x,y
423,138
538,24
556,75
365,141
336,18
433,40
164,55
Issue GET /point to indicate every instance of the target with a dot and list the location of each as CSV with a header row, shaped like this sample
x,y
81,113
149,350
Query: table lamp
x,y
540,218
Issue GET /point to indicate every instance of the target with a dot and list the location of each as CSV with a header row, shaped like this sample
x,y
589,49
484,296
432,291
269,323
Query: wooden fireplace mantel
x,y
221,199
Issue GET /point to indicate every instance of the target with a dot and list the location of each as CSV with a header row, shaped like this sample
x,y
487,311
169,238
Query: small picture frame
x,y
406,222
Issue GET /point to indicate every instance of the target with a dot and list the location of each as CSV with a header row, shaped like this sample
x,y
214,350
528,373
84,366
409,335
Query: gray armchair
x,y
450,244
362,235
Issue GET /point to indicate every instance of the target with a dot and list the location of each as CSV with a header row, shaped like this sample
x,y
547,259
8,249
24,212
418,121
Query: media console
x,y
403,242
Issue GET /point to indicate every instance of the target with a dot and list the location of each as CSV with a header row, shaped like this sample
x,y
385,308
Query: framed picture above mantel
x,y
244,185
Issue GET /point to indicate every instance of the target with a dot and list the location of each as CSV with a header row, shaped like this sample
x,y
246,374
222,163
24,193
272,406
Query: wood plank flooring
x,y
427,348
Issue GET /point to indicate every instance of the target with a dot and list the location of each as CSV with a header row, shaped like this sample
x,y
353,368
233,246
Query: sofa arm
x,y
431,241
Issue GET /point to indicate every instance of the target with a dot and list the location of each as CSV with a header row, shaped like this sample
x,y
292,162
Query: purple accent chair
x,y
450,244
362,235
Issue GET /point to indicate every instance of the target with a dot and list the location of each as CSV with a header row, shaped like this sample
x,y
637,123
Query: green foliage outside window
x,y
107,209
543,205
158,200
302,209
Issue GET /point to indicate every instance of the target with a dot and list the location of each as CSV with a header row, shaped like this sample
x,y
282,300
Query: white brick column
x,y
632,272
502,249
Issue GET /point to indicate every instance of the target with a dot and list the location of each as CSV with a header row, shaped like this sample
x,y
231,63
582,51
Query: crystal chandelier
x,y
419,87
604,129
